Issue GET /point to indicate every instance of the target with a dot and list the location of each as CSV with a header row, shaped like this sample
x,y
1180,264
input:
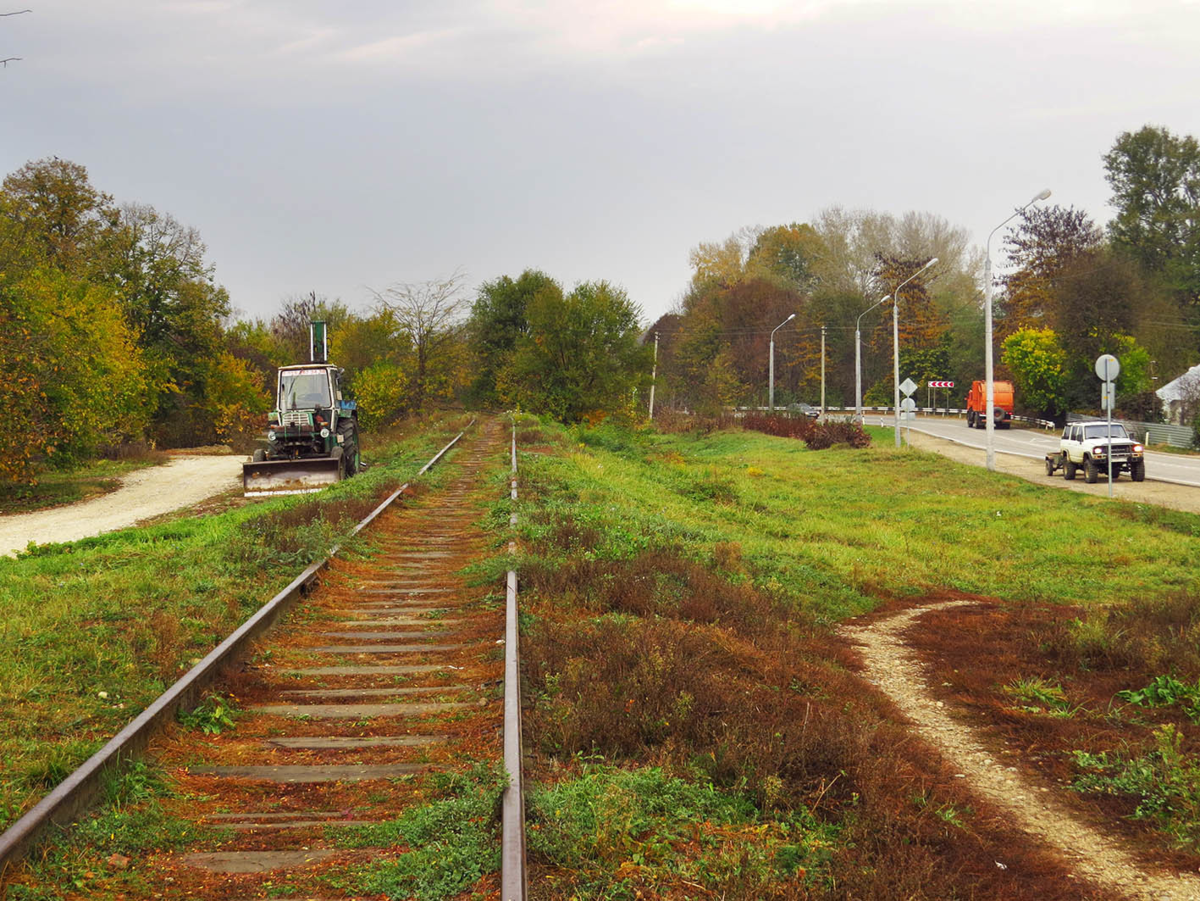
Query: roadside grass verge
x,y
678,594
69,486
93,631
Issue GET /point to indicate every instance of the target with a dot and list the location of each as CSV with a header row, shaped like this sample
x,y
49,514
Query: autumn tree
x,y
1038,365
60,218
1043,243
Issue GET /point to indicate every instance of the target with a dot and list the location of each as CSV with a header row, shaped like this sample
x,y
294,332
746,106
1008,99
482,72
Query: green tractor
x,y
312,435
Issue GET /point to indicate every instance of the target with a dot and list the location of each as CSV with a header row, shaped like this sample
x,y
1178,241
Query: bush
x,y
815,435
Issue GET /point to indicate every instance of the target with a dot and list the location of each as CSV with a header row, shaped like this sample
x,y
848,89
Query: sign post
x,y
1108,368
908,405
943,384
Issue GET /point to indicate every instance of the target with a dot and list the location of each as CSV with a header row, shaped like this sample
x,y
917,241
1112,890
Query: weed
x,y
212,716
1037,694
1165,784
453,841
1167,691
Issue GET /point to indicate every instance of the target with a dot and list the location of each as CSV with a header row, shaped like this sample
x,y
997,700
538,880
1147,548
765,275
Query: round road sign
x,y
1107,367
908,405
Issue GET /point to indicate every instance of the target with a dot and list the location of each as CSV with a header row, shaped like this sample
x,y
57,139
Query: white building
x,y
1174,395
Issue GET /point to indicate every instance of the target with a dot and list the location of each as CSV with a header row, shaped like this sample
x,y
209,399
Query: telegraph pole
x,y
653,375
822,370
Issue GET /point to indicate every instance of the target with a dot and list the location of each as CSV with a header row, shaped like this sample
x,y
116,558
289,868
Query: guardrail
x,y
513,883
76,792
930,411
1150,432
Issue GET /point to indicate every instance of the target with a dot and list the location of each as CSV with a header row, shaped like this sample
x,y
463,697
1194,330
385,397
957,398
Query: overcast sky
x,y
331,147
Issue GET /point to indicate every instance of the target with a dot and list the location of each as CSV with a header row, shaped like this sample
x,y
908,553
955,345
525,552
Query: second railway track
x,y
383,692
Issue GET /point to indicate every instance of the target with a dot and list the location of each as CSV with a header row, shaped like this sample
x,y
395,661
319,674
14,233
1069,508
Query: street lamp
x,y
896,342
987,332
771,378
858,357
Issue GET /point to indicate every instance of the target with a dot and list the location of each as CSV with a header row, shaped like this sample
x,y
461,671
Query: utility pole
x,y
822,370
653,375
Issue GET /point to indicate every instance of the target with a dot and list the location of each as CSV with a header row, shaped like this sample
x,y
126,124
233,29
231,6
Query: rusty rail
x,y
513,884
76,792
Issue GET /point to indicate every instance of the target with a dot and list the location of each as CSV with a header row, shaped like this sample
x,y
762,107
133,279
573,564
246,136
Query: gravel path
x,y
148,492
1095,856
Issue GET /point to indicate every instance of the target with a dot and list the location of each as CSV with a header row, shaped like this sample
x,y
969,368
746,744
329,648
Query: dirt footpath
x,y
1101,858
143,494
1164,494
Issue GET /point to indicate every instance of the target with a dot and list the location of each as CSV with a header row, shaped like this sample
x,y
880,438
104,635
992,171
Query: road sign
x,y
1107,367
941,384
908,405
908,386
1108,396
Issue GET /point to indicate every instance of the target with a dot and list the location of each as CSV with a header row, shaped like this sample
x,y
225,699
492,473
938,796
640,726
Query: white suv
x,y
1085,445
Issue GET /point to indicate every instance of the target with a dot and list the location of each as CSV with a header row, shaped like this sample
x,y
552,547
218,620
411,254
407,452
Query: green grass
x,y
131,824
92,632
838,529
452,841
69,486
612,829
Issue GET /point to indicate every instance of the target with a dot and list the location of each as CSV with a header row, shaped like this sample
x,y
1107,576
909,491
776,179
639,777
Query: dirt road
x,y
1164,494
143,494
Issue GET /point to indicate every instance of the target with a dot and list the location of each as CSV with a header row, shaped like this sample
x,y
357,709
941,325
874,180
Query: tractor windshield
x,y
304,389
1101,431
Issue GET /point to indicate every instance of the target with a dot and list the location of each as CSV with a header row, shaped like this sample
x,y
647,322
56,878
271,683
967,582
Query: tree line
x,y
1070,291
114,333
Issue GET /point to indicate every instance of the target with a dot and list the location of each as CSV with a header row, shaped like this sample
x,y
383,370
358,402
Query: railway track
x,y
383,693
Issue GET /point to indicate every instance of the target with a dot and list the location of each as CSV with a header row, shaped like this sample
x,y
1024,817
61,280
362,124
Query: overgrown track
x,y
391,673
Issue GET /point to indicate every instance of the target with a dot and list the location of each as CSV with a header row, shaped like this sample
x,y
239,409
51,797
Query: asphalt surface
x,y
1174,468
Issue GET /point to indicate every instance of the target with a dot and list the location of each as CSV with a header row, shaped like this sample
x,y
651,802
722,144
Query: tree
x,y
1155,178
498,320
430,314
1044,242
1039,367
786,253
581,357
59,215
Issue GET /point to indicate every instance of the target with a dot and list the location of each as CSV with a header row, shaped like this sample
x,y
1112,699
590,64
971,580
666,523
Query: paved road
x,y
1175,468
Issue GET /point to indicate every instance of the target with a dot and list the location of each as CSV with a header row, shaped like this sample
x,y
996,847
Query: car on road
x,y
1086,446
810,411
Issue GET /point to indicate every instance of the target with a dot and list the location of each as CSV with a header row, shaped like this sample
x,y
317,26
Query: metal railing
x,y
513,883
76,792
1150,432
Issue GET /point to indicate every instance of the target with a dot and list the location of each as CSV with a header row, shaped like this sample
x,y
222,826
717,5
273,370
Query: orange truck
x,y
1002,401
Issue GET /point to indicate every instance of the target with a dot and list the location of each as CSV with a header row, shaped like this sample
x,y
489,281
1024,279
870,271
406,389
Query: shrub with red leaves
x,y
815,435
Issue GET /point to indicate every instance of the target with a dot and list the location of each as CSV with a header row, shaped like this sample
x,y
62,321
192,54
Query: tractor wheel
x,y
1137,471
259,456
1069,469
1091,472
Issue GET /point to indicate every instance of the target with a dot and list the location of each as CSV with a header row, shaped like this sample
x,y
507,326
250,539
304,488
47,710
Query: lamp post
x,y
896,342
990,410
858,357
771,377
